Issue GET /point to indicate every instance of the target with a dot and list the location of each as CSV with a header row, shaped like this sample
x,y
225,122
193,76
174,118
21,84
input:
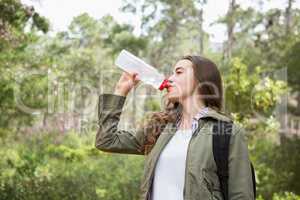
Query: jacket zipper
x,y
148,196
200,125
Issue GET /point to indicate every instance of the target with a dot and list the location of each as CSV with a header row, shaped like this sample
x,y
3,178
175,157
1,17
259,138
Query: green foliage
x,y
276,166
121,37
283,196
14,17
15,56
286,196
16,14
51,166
292,62
251,91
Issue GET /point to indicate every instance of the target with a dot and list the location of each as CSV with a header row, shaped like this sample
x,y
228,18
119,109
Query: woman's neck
x,y
190,107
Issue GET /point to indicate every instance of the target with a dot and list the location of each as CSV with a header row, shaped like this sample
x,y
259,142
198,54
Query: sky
x,y
61,12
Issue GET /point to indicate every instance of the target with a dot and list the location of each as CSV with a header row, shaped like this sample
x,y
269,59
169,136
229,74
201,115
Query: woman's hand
x,y
126,83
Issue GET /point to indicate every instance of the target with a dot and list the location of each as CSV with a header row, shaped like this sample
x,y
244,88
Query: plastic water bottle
x,y
145,72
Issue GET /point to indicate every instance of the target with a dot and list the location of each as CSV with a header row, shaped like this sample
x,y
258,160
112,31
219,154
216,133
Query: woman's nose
x,y
170,78
170,81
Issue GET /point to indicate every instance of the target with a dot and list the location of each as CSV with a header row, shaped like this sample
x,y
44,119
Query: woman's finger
x,y
136,77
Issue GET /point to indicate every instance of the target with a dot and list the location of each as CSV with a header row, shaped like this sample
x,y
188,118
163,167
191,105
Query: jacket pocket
x,y
199,187
208,187
211,187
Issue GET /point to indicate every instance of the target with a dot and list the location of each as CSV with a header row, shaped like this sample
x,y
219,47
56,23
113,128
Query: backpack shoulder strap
x,y
253,179
221,139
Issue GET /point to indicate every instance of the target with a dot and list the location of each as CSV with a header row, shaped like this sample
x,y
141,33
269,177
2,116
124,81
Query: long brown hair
x,y
211,91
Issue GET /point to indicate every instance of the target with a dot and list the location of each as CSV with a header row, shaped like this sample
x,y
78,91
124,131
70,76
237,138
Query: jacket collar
x,y
207,113
217,115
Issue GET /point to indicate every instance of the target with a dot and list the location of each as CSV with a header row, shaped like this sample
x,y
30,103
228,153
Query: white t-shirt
x,y
169,173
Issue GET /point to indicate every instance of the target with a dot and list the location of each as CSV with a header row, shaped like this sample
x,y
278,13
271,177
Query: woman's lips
x,y
169,88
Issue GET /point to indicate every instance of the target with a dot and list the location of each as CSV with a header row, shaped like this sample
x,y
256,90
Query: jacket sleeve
x,y
240,184
109,138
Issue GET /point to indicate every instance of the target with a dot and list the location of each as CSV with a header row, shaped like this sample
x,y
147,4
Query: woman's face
x,y
183,82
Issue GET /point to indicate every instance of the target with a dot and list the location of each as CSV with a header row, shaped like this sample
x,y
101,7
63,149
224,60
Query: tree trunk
x,y
230,29
201,38
288,17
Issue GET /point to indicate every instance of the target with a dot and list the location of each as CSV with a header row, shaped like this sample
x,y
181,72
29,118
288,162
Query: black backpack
x,y
221,139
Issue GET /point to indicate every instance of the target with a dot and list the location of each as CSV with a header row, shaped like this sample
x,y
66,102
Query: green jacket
x,y
201,180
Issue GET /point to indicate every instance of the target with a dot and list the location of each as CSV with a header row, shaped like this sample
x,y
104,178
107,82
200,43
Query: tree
x,y
230,20
15,55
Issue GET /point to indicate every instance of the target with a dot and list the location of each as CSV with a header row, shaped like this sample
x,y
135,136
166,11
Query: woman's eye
x,y
178,72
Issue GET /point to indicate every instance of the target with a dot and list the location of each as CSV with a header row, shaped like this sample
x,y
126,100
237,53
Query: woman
x,y
177,142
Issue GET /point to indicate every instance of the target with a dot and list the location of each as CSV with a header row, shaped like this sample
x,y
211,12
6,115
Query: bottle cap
x,y
165,84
